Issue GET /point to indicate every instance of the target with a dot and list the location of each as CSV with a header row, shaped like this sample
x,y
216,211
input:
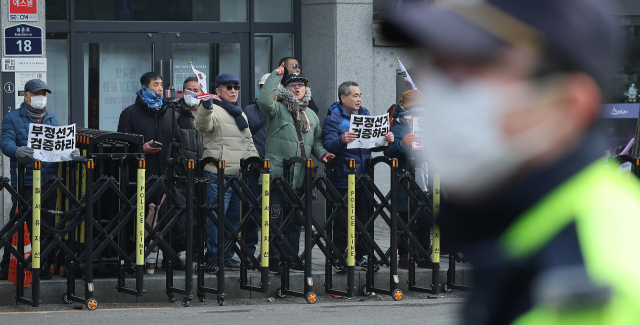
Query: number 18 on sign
x,y
23,40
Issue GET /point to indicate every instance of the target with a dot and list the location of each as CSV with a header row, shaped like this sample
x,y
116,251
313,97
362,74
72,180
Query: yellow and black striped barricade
x,y
254,215
338,210
296,208
379,203
24,213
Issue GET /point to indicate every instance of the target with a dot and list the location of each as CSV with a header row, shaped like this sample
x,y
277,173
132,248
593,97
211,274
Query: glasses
x,y
296,66
236,87
297,84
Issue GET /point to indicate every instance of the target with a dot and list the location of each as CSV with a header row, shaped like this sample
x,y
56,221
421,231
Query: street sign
x,y
23,40
23,10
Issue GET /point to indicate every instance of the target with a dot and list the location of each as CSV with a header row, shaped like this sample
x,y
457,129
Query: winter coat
x,y
335,125
282,139
400,128
223,139
258,124
159,126
15,133
192,142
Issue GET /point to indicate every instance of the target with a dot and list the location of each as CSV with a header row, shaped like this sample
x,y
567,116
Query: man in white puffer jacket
x,y
226,136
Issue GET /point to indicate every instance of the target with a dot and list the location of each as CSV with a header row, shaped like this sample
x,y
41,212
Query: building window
x,y
58,76
624,88
273,11
269,49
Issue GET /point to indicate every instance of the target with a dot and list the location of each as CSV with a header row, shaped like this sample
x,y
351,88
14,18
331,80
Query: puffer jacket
x,y
223,139
15,133
335,125
282,139
192,142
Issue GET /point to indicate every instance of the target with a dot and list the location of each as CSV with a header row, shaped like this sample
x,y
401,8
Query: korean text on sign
x,y
370,131
417,128
52,143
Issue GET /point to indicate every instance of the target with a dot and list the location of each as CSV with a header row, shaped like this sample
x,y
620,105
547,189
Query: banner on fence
x,y
52,143
369,130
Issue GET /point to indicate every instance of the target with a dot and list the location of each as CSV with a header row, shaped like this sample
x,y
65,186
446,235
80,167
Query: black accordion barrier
x,y
102,224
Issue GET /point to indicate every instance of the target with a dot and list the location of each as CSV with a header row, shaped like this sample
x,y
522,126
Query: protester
x,y
192,143
335,137
513,89
227,137
289,121
291,66
401,149
15,133
258,125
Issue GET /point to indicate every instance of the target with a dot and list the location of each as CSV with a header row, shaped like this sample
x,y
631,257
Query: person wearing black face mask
x,y
15,133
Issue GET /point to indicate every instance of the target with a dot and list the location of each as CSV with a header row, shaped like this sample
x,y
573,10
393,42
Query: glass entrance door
x,y
113,64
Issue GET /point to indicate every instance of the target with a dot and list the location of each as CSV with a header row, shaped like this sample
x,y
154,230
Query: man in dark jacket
x,y
15,133
291,65
151,119
192,145
335,137
401,149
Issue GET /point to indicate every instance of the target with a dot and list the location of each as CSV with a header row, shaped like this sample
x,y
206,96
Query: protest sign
x,y
52,143
417,128
369,130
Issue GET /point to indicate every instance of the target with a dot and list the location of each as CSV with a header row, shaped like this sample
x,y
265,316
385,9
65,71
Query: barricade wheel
x,y
63,270
280,293
92,304
186,302
445,288
221,301
202,297
65,299
397,295
365,291
52,268
311,298
172,298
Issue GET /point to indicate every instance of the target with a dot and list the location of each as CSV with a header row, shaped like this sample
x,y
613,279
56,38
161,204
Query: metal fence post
x,y
140,199
35,233
351,227
435,259
264,246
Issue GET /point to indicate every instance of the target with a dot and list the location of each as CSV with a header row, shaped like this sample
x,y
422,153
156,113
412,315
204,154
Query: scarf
x,y
296,107
153,100
35,113
236,112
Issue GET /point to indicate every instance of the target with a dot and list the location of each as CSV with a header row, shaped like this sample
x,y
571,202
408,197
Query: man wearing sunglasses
x,y
291,66
226,135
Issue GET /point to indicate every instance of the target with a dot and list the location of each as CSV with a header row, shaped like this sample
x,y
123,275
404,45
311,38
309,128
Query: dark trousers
x,y
252,225
340,227
295,226
46,218
422,232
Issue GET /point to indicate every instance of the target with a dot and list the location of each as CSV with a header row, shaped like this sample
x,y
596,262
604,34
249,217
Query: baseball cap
x,y
582,33
292,77
263,79
35,85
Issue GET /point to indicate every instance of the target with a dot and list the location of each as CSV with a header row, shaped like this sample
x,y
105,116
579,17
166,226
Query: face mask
x,y
191,101
39,102
464,136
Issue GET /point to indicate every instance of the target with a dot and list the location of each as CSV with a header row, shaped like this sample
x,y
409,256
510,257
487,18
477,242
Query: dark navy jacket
x,y
258,124
400,128
15,132
335,125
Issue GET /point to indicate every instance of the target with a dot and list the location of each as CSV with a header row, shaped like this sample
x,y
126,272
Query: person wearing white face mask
x,y
13,141
185,114
512,91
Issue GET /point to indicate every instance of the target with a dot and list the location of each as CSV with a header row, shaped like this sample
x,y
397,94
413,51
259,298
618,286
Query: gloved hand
x,y
24,151
75,153
208,104
408,139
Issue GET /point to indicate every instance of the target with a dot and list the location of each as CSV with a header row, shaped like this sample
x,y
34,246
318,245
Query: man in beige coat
x,y
226,135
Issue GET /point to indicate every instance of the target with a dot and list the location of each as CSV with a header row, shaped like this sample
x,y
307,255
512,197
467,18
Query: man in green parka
x,y
512,91
286,109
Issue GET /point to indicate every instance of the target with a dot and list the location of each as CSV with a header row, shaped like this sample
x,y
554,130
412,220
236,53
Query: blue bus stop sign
x,y
23,40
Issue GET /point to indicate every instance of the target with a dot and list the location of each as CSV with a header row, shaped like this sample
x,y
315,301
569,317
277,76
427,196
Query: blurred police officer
x,y
512,90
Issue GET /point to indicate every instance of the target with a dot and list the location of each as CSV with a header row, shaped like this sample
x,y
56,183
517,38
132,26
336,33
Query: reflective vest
x,y
606,211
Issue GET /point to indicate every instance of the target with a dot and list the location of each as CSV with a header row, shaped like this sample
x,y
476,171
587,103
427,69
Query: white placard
x,y
417,128
21,80
24,64
370,131
52,143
